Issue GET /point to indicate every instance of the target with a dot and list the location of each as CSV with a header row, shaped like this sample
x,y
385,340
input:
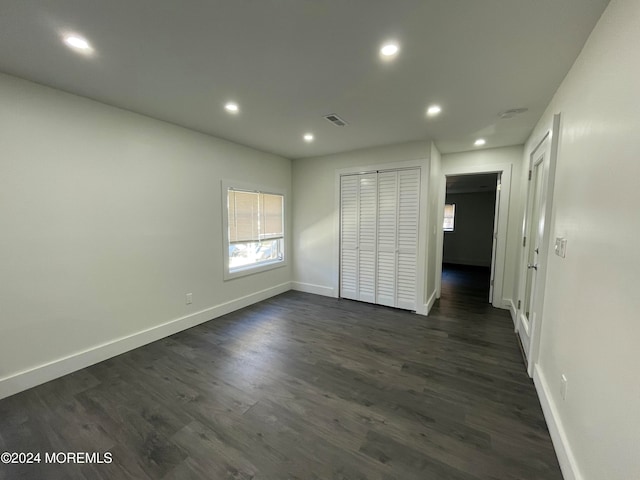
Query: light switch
x,y
561,246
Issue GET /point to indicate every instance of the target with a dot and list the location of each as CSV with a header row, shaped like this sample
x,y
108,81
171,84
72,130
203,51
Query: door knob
x,y
535,267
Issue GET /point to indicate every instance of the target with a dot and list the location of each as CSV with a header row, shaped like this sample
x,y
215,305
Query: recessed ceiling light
x,y
480,142
308,137
232,107
434,110
389,49
77,43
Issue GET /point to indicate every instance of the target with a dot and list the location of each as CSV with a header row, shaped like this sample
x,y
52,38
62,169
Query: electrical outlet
x,y
189,299
563,386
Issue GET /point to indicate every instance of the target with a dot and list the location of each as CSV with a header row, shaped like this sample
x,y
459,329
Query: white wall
x,y
315,216
471,241
590,328
434,268
486,159
108,219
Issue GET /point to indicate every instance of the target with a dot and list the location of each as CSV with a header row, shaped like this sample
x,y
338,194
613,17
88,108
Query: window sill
x,y
251,269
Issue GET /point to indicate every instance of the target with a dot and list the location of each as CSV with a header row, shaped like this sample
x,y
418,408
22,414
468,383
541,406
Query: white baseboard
x,y
429,305
568,464
509,305
311,288
57,368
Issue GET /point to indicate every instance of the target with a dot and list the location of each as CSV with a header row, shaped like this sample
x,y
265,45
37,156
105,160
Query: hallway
x,y
466,287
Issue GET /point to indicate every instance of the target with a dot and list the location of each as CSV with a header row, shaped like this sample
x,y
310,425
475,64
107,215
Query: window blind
x,y
272,209
254,216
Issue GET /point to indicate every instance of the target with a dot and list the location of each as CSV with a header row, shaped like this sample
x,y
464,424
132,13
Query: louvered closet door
x,y
367,234
387,238
349,236
358,233
408,220
379,215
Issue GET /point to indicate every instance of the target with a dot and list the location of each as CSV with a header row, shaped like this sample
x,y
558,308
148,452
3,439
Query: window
x,y
254,224
449,215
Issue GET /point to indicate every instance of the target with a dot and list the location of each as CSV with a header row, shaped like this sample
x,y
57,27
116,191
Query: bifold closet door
x,y
367,233
358,232
387,239
349,200
379,215
408,221
398,216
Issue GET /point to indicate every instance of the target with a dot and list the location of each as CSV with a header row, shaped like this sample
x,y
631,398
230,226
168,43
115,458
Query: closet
x,y
379,216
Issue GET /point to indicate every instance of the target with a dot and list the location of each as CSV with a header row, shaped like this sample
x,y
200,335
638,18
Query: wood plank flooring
x,y
300,387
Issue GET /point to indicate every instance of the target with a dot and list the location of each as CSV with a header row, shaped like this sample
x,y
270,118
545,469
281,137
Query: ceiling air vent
x,y
336,120
512,112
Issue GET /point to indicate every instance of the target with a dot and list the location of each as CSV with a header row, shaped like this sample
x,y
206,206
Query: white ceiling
x,y
289,62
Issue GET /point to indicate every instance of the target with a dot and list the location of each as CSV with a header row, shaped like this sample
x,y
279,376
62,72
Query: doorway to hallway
x,y
470,229
501,171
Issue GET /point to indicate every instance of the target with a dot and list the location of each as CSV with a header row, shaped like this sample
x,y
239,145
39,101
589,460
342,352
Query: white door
x,y
408,220
349,236
358,234
379,217
534,225
367,236
387,239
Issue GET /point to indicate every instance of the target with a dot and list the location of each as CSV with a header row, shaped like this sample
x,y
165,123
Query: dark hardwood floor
x,y
300,387
466,287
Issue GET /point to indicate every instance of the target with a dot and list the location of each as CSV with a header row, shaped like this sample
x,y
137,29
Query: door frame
x,y
494,235
504,169
548,182
423,165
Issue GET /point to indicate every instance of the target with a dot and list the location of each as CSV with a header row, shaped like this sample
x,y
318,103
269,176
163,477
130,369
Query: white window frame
x,y
263,266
